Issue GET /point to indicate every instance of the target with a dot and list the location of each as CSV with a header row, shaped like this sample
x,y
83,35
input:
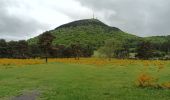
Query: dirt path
x,y
27,96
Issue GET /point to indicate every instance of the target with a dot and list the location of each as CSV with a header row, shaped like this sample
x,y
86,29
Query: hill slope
x,y
158,39
88,31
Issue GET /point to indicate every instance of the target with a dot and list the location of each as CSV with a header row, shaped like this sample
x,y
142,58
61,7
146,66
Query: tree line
x,y
144,49
45,48
112,48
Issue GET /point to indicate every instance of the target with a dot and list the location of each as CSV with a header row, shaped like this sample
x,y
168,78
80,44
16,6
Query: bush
x,y
166,85
146,80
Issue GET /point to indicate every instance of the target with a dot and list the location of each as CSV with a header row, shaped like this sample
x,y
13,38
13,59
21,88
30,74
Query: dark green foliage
x,y
160,43
88,22
158,39
76,48
13,49
24,49
159,54
18,49
88,32
91,35
35,51
45,43
124,50
145,50
3,48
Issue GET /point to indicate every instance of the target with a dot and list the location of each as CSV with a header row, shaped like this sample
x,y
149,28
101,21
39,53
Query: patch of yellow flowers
x,y
119,62
88,61
94,61
6,62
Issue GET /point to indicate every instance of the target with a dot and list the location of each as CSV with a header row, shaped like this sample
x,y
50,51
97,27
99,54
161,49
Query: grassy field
x,y
87,79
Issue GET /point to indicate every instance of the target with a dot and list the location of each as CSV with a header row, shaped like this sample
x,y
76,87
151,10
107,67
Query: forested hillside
x,y
87,32
82,38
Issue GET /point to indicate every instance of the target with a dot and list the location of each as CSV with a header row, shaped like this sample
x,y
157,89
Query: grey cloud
x,y
15,28
140,17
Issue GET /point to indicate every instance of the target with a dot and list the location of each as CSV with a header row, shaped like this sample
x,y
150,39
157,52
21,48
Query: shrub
x,y
146,80
166,85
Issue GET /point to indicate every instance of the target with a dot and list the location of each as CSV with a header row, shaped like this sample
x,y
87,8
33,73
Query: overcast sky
x,y
23,19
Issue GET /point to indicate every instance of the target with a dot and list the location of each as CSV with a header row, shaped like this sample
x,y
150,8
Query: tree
x,y
59,51
67,52
87,50
3,48
34,51
145,50
110,47
76,48
45,43
123,50
13,49
23,49
166,46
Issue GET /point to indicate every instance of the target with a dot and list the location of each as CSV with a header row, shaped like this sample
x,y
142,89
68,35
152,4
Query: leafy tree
x,y
145,50
45,43
67,52
3,48
123,50
166,46
34,51
23,49
87,50
110,47
13,49
76,48
59,52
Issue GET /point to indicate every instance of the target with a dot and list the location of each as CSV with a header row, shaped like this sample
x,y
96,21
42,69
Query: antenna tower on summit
x,y
93,15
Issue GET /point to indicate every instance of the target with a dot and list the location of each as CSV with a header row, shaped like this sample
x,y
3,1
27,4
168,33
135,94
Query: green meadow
x,y
64,81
